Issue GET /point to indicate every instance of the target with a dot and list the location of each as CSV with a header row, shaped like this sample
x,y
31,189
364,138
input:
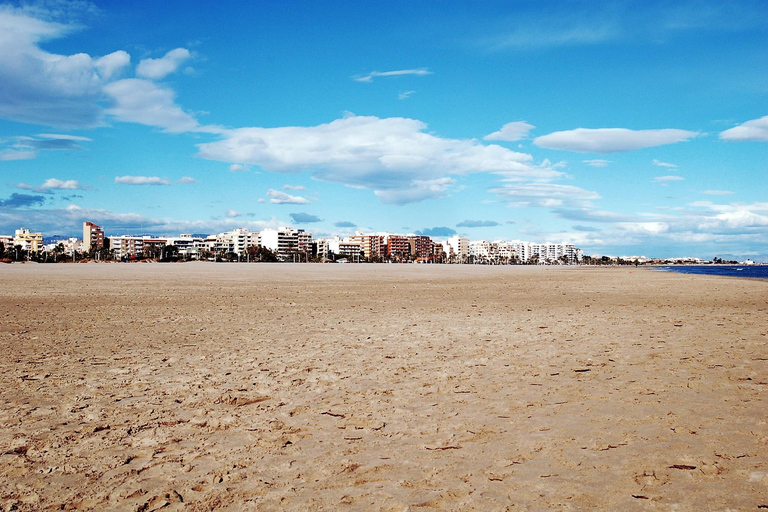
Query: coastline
x,y
381,386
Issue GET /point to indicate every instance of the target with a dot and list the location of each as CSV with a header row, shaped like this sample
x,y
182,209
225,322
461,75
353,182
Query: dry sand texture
x,y
380,387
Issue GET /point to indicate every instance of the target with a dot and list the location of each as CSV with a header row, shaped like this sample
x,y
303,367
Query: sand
x,y
204,386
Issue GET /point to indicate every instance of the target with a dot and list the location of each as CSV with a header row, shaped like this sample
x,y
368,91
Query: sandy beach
x,y
204,386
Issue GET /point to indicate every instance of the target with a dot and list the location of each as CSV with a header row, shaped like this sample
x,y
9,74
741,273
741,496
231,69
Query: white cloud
x,y
56,136
419,190
10,154
187,180
664,179
233,213
405,95
238,168
55,184
546,195
141,180
597,162
46,88
400,72
112,64
511,131
293,187
659,163
157,69
611,140
369,152
756,129
277,197
718,192
144,102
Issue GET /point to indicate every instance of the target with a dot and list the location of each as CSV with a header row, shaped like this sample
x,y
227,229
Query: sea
x,y
744,271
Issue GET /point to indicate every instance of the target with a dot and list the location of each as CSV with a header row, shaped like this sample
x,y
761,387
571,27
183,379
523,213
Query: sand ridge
x,y
387,387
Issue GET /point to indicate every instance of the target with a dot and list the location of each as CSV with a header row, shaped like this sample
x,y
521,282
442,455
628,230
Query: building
x,y
128,246
29,241
189,247
286,242
372,245
398,246
236,241
422,247
457,248
93,236
344,247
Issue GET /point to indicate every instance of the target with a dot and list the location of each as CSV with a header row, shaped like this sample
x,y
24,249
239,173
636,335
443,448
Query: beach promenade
x,y
202,386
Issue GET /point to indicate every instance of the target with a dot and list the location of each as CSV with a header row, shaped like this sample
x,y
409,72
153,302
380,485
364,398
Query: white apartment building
x,y
128,246
457,247
285,241
236,241
188,245
483,251
344,247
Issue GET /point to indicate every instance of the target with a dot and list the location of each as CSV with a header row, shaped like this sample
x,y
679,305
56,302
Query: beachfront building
x,y
128,246
236,241
372,244
29,241
345,247
398,247
286,242
482,251
457,248
422,246
188,246
93,236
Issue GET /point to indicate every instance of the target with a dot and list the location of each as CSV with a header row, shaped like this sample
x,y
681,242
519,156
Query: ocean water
x,y
745,271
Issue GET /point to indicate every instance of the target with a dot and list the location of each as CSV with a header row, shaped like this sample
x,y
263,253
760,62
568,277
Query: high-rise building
x,y
93,236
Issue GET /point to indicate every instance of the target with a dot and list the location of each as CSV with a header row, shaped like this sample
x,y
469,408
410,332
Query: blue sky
x,y
624,127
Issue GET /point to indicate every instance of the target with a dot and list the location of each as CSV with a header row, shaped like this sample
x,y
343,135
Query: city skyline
x,y
620,127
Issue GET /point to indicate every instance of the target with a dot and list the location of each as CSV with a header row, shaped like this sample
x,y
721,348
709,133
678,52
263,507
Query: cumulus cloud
x,y
665,179
238,168
187,180
40,87
157,69
278,197
597,162
141,101
511,131
141,180
304,218
756,129
400,72
233,213
477,224
55,184
393,156
611,140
